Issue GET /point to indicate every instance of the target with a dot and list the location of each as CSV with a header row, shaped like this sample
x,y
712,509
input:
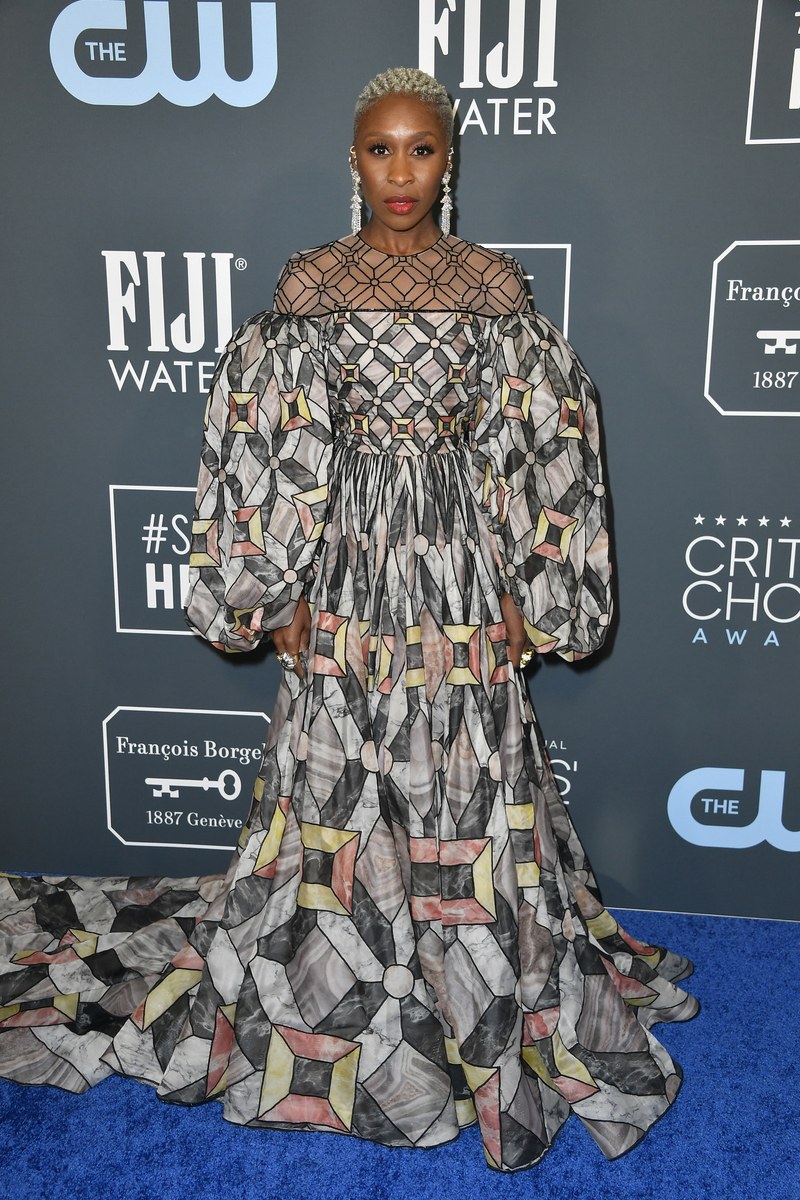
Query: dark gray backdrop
x,y
661,161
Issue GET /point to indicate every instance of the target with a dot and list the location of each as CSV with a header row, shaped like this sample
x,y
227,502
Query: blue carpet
x,y
733,1133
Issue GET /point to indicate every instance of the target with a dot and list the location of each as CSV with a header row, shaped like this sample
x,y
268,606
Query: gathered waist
x,y
402,448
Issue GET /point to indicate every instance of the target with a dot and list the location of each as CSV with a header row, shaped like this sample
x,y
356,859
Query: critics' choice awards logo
x,y
731,810
169,318
180,776
102,55
505,53
752,358
742,579
150,542
773,110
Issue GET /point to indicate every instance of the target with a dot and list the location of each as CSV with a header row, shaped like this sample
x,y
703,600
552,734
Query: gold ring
x,y
525,657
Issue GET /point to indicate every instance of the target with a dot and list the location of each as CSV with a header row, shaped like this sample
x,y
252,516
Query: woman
x,y
401,485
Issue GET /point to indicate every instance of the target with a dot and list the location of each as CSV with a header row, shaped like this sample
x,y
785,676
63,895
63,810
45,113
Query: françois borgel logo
x,y
180,776
742,579
504,51
169,318
101,57
752,356
773,110
722,807
150,542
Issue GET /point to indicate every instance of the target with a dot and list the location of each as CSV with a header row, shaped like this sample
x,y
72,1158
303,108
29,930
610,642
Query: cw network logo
x,y
502,66
97,69
699,793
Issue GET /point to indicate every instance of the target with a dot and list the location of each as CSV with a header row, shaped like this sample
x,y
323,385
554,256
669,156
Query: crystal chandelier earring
x,y
447,202
355,202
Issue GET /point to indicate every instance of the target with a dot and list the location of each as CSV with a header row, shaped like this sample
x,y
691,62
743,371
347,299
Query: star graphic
x,y
763,520
786,522
741,520
720,520
699,519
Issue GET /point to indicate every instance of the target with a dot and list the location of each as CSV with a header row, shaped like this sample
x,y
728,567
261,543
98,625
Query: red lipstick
x,y
401,205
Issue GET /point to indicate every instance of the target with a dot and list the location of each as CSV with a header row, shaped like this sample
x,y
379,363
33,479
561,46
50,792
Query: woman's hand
x,y
515,629
292,638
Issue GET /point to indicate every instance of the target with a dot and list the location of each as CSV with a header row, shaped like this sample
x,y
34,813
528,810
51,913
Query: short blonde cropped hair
x,y
408,81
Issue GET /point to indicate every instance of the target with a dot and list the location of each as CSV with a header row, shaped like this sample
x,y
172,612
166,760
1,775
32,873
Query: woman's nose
x,y
400,171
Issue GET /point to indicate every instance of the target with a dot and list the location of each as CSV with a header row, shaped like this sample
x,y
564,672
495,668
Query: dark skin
x,y
401,149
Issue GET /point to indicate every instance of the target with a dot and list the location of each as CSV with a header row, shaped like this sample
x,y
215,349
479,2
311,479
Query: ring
x,y
286,660
525,657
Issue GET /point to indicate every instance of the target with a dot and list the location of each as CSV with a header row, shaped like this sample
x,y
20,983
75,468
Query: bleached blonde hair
x,y
407,81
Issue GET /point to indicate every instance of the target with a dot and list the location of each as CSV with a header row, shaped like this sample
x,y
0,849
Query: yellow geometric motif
x,y
343,845
465,1108
547,522
202,558
68,1005
538,636
272,842
520,816
342,1087
463,635
86,945
570,406
166,992
482,879
295,399
278,1071
515,397
239,424
415,676
303,502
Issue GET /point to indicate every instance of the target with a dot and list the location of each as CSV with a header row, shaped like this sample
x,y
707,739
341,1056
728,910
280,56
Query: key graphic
x,y
229,785
779,339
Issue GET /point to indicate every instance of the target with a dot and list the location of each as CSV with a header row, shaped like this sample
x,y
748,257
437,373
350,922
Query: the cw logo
x,y
766,826
157,76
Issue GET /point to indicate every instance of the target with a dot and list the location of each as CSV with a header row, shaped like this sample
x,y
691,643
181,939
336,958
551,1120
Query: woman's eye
x,y
379,148
424,150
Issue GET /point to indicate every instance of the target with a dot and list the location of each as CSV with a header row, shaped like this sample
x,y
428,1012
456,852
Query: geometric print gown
x,y
409,937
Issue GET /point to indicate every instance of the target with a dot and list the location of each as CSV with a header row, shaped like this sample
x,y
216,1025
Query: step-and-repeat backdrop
x,y
163,158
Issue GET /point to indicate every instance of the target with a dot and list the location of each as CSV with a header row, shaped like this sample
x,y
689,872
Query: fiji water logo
x,y
773,109
96,69
163,312
505,48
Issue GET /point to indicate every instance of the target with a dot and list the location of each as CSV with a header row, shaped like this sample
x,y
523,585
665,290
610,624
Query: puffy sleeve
x,y
538,478
263,485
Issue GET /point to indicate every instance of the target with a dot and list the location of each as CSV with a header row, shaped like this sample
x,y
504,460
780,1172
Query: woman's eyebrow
x,y
380,133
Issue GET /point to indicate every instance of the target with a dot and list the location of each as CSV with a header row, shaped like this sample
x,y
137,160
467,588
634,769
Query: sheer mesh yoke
x,y
450,276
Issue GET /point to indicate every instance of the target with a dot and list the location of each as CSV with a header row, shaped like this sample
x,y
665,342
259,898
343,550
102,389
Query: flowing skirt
x,y
409,937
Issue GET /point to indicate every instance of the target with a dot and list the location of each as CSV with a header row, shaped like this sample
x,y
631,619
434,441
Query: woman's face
x,y
401,155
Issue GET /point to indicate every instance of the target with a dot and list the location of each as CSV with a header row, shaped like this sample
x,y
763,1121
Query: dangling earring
x,y
355,202
447,202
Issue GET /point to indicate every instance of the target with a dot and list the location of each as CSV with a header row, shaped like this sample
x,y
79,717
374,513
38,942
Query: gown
x,y
409,937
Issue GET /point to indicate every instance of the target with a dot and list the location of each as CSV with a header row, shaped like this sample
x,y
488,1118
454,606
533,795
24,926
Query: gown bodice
x,y
482,430
402,382
402,336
